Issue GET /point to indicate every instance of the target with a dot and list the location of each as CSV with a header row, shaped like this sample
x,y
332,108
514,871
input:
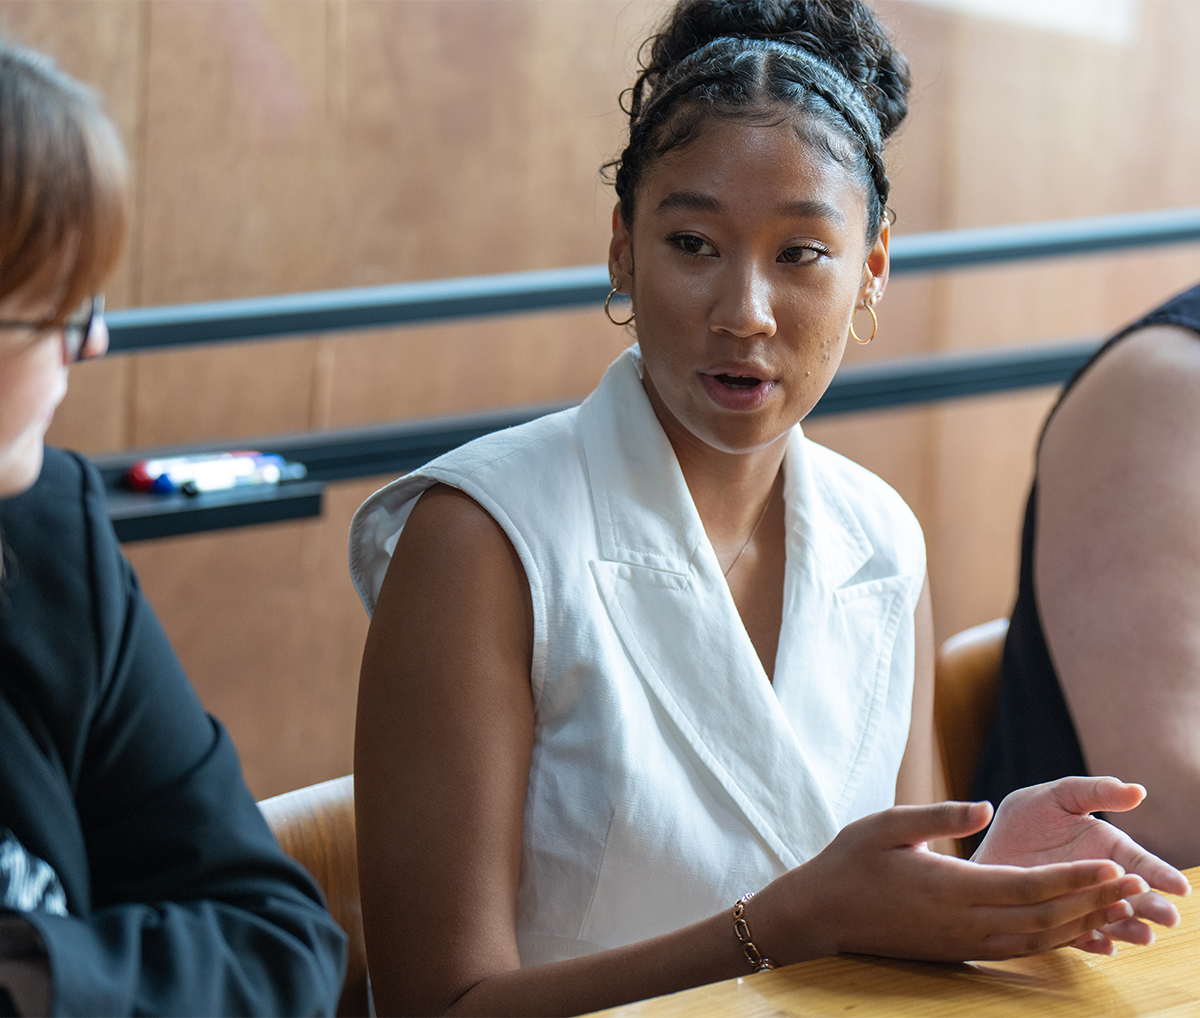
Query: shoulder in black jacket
x,y
177,898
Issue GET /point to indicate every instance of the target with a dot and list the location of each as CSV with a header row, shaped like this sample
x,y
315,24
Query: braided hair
x,y
766,61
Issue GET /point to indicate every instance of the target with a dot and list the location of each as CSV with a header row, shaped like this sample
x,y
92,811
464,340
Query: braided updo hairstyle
x,y
829,61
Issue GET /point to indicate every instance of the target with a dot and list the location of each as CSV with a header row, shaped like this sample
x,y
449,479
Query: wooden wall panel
x,y
239,161
282,146
464,367
475,131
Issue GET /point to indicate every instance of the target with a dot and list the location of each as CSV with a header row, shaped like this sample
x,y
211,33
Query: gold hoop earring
x,y
868,306
611,294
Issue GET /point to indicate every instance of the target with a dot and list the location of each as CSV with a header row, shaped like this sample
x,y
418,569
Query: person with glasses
x,y
136,873
87,323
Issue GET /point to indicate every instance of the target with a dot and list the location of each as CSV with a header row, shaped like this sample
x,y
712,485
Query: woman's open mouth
x,y
733,391
738,381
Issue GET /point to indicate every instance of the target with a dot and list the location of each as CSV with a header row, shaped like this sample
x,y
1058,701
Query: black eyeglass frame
x,y
75,330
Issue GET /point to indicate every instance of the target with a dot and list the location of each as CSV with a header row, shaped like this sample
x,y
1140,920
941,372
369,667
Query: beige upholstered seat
x,y
315,826
964,705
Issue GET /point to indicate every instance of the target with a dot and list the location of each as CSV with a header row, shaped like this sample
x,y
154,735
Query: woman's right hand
x,y
878,889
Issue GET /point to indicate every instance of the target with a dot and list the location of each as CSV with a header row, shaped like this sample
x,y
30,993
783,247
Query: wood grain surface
x,y
1160,980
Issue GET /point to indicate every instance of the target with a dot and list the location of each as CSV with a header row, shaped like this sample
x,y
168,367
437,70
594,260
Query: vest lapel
x,y
834,664
663,589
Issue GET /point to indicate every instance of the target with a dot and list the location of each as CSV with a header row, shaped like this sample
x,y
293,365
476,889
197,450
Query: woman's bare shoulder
x,y
1154,362
455,579
447,518
1141,399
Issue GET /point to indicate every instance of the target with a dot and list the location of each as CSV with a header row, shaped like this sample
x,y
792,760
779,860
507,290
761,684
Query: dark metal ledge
x,y
936,377
392,449
138,517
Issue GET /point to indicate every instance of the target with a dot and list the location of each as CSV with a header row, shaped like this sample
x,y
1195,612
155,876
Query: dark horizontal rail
x,y
937,377
294,314
149,328
957,249
391,449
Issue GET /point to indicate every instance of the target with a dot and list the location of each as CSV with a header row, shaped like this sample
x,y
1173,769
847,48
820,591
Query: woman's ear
x,y
620,253
875,272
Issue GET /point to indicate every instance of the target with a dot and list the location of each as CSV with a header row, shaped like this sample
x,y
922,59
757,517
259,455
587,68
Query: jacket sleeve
x,y
194,907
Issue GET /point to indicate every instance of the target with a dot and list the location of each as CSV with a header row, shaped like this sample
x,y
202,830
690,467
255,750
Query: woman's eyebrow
x,y
813,208
689,201
697,201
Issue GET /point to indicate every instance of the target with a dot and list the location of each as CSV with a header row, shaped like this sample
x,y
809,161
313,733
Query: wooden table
x,y
1160,980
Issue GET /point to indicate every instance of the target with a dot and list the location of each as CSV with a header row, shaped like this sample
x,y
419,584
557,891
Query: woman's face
x,y
745,263
33,379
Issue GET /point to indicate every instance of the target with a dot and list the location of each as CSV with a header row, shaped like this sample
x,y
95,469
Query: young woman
x,y
632,662
136,874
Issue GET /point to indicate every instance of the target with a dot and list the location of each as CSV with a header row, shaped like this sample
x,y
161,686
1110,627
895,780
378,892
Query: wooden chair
x,y
315,826
964,700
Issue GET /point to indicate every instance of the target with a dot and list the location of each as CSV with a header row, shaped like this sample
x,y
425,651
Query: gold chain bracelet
x,y
741,930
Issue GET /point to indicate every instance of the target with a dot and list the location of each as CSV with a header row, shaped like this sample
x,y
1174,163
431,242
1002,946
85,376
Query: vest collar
x,y
645,511
662,586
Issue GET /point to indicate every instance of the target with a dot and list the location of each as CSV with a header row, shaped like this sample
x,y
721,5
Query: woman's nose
x,y
744,308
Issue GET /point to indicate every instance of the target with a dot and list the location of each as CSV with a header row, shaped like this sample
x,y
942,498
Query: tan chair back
x,y
315,826
965,697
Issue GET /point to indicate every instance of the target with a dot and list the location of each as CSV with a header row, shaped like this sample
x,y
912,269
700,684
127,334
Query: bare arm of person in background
x,y
1117,575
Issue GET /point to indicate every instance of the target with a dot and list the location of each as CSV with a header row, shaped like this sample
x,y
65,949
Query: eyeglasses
x,y
76,329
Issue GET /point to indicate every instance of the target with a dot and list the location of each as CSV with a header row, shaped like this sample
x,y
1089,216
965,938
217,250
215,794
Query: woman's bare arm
x,y
1117,575
442,754
443,748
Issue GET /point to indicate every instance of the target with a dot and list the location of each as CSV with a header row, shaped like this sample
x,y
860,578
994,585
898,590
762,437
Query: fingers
x,y
1094,942
1105,903
911,825
1158,874
1016,885
1154,908
1092,795
1079,932
1092,919
1131,931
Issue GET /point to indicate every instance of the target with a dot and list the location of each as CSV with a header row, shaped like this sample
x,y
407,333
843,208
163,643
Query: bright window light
x,y
1111,21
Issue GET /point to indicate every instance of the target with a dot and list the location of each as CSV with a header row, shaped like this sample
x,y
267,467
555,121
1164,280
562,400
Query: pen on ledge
x,y
205,472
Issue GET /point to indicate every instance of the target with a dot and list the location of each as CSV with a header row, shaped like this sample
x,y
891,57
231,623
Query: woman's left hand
x,y
1053,823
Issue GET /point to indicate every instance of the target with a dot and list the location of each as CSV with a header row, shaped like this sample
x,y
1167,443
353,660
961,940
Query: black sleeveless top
x,y
1033,738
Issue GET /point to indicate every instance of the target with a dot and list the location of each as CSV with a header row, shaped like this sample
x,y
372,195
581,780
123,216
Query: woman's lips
x,y
736,390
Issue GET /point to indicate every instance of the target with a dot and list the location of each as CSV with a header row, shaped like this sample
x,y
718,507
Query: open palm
x,y
1054,823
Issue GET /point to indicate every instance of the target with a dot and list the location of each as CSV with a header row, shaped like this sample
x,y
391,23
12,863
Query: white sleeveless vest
x,y
669,776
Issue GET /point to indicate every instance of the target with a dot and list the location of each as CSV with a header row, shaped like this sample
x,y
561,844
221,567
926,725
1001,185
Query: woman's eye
x,y
689,243
799,255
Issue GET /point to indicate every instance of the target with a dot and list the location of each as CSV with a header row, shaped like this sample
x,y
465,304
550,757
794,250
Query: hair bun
x,y
844,33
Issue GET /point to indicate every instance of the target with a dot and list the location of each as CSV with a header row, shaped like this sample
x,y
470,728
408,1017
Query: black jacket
x,y
178,899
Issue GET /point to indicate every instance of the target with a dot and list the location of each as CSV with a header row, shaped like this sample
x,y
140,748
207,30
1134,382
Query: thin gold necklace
x,y
758,523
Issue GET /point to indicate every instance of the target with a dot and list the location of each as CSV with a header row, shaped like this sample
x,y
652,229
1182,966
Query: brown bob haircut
x,y
63,179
